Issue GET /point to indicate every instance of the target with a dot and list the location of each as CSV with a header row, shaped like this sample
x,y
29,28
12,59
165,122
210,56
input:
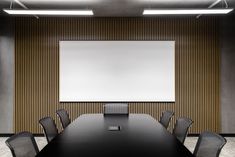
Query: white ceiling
x,y
112,7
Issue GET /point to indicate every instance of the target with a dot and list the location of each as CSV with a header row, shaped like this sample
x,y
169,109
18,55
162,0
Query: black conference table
x,y
137,135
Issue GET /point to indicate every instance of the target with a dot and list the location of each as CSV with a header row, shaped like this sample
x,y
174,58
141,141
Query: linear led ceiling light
x,y
50,12
185,11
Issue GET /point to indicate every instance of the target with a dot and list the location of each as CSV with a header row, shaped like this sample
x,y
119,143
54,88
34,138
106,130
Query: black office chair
x,y
22,144
209,144
116,108
49,128
64,117
166,118
181,127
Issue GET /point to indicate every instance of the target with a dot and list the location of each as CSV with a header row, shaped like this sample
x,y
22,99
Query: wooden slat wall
x,y
197,67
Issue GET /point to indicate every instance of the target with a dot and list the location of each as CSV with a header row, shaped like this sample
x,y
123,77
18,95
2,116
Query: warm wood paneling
x,y
197,60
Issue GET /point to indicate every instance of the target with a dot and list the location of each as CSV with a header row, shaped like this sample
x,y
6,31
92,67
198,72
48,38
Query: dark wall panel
x,y
227,73
6,74
197,60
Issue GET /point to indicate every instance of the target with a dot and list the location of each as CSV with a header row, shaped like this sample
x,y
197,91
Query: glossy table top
x,y
139,135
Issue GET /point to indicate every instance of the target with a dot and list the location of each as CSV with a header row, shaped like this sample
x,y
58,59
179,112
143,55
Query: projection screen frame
x,y
116,101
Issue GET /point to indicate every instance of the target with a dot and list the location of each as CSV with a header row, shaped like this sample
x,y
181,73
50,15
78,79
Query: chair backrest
x,y
166,118
116,108
49,128
181,128
22,144
64,117
209,144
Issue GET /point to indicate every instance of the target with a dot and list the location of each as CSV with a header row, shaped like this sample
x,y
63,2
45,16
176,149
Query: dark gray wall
x,y
6,74
228,73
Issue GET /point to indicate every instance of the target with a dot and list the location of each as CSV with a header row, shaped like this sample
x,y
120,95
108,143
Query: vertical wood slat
x,y
197,66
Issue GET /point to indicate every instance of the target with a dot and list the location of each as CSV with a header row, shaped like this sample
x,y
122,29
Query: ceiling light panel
x,y
185,11
50,12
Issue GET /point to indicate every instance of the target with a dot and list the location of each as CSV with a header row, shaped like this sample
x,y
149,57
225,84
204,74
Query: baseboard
x,y
228,135
38,135
222,134
10,134
193,135
6,134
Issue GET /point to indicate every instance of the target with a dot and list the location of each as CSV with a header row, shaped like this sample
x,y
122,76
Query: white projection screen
x,y
117,71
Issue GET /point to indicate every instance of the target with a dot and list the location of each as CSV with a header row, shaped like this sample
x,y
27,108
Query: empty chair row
x,y
49,127
181,126
23,144
180,129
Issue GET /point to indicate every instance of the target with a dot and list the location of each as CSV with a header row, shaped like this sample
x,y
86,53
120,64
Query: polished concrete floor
x,y
227,151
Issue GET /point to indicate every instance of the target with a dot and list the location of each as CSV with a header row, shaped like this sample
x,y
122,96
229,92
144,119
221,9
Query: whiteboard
x,y
117,71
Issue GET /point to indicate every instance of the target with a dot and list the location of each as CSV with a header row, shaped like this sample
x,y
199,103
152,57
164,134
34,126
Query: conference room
x,y
111,78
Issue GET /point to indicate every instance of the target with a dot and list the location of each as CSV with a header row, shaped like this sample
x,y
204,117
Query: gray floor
x,y
227,151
